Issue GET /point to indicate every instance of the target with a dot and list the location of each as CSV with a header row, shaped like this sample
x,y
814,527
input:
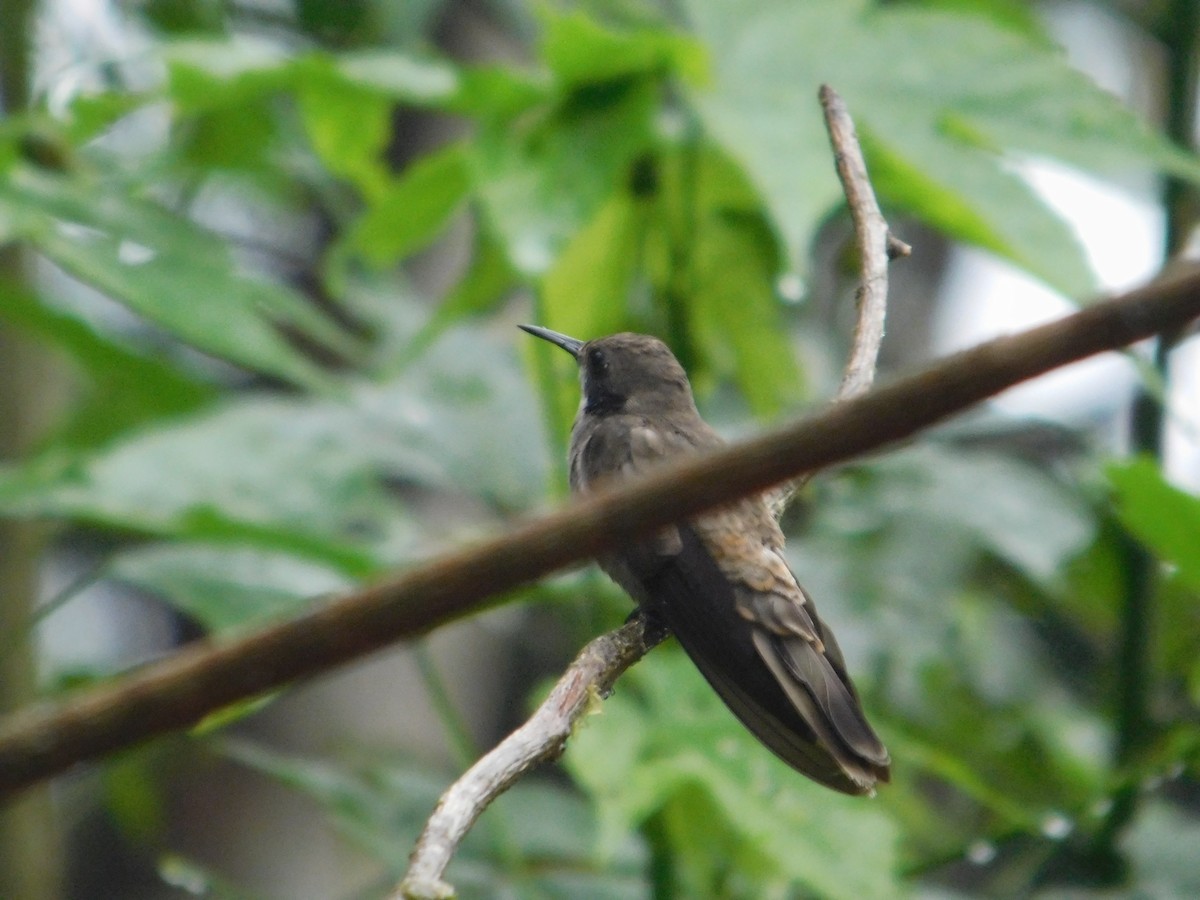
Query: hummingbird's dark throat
x,y
603,403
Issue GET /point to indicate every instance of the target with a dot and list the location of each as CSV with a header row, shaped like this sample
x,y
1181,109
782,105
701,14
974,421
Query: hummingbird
x,y
719,583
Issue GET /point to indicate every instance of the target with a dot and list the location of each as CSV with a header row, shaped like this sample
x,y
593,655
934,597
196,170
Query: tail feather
x,y
808,667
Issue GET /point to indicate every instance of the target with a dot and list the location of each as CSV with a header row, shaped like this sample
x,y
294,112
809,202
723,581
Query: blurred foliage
x,y
536,841
279,401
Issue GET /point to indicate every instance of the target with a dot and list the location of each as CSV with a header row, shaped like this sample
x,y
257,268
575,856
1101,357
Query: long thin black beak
x,y
570,344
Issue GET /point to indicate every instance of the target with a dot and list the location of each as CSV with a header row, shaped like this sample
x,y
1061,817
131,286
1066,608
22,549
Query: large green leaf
x,y
119,388
280,471
411,210
947,102
486,282
580,51
585,293
923,516
736,310
1009,508
311,475
542,177
165,268
349,126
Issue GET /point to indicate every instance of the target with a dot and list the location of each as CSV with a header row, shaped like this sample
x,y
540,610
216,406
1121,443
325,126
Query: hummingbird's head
x,y
626,372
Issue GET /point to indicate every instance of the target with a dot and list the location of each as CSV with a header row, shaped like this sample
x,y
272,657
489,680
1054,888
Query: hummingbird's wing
x,y
615,448
723,588
789,697
789,637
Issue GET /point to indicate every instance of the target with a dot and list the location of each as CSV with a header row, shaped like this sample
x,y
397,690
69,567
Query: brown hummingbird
x,y
719,582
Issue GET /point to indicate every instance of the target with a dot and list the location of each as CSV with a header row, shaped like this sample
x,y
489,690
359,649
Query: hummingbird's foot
x,y
654,630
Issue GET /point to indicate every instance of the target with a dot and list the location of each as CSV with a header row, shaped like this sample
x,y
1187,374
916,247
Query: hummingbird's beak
x,y
570,344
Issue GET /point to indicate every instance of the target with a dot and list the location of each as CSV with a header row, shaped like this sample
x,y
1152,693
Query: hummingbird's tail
x,y
795,697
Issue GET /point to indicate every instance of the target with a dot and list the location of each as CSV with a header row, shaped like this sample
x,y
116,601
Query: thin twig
x,y
589,678
876,246
176,692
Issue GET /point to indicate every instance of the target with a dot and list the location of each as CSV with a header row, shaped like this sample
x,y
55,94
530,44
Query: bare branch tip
x,y
897,248
423,889
831,100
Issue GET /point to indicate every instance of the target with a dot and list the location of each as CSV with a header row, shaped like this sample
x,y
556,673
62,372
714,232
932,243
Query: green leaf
x,y
311,475
483,286
542,176
232,713
486,283
585,293
1164,518
579,51
464,418
241,136
735,306
168,270
349,128
93,114
413,210
1096,582
120,388
498,92
974,200
946,109
664,745
275,471
208,72
1009,508
227,586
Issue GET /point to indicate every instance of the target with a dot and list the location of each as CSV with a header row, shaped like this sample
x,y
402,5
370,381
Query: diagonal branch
x,y
173,693
542,737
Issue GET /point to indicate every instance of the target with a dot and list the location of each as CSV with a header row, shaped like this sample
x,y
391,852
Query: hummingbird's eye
x,y
597,361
